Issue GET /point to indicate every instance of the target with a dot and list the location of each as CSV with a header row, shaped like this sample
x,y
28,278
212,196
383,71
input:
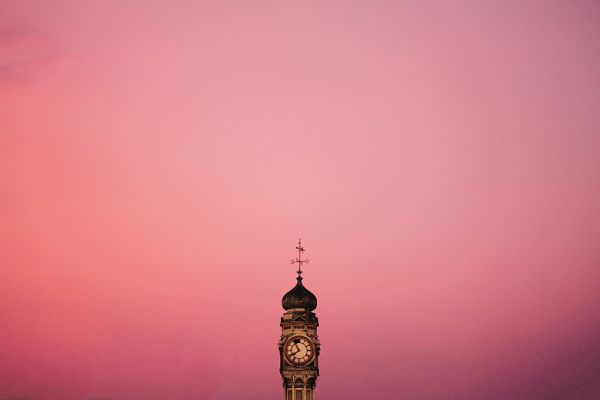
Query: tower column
x,y
299,344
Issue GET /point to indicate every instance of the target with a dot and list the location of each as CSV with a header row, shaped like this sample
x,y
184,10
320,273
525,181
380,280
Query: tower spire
x,y
299,259
299,344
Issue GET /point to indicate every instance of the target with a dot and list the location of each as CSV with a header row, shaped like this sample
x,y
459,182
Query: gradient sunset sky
x,y
160,159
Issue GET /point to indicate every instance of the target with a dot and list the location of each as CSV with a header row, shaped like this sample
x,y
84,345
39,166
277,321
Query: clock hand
x,y
302,349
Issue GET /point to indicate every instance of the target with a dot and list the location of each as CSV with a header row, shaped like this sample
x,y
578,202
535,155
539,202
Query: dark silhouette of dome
x,y
299,297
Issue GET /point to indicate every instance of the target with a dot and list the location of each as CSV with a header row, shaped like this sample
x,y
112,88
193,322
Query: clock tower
x,y
299,344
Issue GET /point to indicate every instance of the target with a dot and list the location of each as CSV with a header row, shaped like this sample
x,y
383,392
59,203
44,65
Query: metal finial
x,y
299,259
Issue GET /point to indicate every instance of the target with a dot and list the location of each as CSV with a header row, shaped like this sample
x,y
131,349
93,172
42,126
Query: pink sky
x,y
159,160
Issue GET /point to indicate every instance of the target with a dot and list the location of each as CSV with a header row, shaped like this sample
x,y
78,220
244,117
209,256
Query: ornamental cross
x,y
299,259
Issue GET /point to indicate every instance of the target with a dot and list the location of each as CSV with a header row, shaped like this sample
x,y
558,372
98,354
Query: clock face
x,y
299,350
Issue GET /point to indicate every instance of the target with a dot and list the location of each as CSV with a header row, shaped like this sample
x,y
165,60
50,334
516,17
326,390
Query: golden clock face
x,y
299,350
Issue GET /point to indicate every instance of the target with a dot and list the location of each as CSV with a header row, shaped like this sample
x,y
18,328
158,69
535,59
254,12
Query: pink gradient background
x,y
159,160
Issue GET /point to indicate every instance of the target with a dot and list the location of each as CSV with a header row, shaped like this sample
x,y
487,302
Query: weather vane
x,y
299,259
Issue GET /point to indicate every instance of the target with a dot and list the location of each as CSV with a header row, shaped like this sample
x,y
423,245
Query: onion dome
x,y
299,297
